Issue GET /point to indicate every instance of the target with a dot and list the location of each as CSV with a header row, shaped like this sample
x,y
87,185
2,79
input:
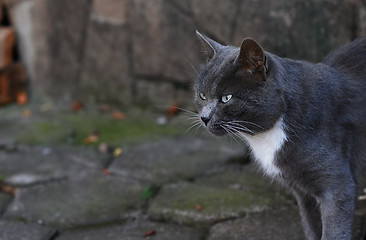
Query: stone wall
x,y
141,51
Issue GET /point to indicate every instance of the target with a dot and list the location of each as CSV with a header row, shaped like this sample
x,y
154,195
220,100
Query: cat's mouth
x,y
229,128
216,129
223,129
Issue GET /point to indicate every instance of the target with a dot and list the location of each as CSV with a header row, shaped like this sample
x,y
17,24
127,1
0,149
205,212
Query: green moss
x,y
73,128
179,204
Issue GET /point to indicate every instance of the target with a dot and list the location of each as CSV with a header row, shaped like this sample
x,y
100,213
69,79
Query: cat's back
x,y
349,58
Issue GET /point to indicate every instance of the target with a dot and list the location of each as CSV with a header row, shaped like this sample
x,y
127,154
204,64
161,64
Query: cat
x,y
305,123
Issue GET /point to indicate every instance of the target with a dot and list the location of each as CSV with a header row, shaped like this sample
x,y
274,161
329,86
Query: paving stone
x,y
135,230
92,199
175,159
23,231
276,225
219,198
30,165
4,201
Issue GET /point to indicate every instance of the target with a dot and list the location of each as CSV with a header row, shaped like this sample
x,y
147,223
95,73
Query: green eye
x,y
226,98
202,96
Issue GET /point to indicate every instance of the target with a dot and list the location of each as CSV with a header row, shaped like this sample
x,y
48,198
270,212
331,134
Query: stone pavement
x,y
181,188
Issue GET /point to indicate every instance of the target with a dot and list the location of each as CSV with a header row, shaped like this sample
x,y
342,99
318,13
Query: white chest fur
x,y
265,145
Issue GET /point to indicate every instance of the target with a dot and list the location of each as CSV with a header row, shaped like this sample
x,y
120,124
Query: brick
x,y
4,90
7,44
12,82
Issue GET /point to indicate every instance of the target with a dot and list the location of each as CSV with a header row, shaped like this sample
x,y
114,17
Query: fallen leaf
x,y
106,172
77,105
172,110
198,207
27,113
22,98
117,152
8,189
150,233
117,115
91,139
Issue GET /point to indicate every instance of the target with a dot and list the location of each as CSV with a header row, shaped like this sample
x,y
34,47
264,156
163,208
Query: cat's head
x,y
237,89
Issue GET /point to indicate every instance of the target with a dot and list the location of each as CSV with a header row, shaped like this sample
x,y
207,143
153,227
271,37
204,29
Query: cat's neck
x,y
265,145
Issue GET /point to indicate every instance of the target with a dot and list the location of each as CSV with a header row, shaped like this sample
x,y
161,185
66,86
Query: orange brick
x,y
7,42
12,82
4,90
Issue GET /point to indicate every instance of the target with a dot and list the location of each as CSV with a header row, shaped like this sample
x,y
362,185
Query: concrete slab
x,y
92,199
274,225
5,199
135,230
30,165
227,195
176,159
23,231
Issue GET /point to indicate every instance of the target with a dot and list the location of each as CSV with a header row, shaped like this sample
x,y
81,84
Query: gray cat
x,y
305,123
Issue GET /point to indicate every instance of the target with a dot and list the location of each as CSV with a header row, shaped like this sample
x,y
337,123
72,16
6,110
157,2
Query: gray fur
x,y
322,107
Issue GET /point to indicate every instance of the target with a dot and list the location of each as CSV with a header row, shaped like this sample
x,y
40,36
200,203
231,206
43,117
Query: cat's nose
x,y
205,120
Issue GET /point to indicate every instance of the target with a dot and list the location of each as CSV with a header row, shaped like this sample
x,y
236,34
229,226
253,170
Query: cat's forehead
x,y
223,60
216,73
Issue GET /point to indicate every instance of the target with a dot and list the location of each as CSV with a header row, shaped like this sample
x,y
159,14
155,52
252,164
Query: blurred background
x,y
95,138
139,53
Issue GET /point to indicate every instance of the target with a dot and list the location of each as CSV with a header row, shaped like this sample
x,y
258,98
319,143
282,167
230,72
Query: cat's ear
x,y
252,58
209,46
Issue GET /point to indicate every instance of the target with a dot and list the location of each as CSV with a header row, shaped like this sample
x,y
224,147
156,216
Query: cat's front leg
x,y
310,215
336,209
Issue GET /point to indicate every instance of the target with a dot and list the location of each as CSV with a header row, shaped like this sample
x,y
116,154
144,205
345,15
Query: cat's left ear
x,y
252,58
209,46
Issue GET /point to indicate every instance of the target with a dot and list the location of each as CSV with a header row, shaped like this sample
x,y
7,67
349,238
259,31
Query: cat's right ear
x,y
252,58
209,46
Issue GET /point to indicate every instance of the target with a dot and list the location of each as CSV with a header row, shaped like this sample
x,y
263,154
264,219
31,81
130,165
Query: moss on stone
x,y
177,202
73,128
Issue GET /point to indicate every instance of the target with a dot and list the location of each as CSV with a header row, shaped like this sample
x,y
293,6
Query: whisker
x,y
194,125
241,128
231,134
235,132
242,121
